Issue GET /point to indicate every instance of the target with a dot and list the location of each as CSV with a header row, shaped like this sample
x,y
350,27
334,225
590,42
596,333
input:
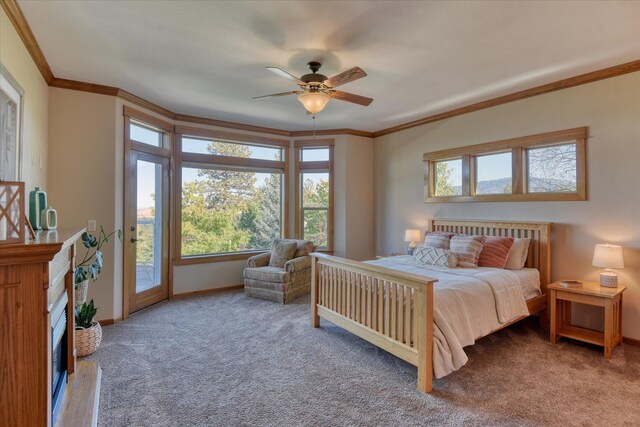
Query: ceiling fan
x,y
317,89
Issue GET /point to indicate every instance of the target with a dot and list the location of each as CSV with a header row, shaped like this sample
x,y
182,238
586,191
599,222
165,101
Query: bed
x,y
390,302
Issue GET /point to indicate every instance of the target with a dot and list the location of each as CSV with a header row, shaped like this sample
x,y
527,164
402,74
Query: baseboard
x,y
208,291
631,341
107,322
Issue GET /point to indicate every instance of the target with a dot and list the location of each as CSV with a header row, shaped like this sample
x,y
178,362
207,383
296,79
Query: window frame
x,y
519,148
211,161
322,166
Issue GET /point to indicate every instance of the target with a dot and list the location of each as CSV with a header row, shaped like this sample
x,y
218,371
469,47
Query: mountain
x,y
498,186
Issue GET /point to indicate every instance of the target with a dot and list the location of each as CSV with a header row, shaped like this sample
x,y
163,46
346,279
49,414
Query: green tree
x,y
267,222
227,189
444,182
316,221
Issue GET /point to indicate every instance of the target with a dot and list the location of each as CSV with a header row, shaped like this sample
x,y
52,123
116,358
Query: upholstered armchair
x,y
279,276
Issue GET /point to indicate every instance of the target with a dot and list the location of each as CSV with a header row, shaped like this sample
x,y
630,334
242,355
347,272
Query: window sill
x,y
529,197
206,259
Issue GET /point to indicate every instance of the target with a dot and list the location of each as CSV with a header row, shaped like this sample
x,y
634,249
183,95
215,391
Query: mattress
x,y
530,282
469,303
529,277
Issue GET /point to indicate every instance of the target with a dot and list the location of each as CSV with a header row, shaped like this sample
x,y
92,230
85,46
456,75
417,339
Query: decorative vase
x,y
88,340
80,292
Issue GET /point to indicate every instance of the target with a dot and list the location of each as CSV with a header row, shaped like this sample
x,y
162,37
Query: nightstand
x,y
590,293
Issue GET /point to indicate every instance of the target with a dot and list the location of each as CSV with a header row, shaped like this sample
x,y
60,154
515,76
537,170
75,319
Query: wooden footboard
x,y
392,310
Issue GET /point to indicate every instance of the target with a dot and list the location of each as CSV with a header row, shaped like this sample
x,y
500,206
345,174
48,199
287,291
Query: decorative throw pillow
x,y
281,252
437,239
303,248
435,256
467,249
495,251
518,254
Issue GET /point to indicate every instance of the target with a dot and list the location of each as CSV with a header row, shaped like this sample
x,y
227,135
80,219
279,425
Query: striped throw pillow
x,y
495,251
437,239
467,249
434,256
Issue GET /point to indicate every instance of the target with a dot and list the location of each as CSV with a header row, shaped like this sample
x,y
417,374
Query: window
x,y
552,169
494,174
548,166
232,197
221,148
448,177
314,192
146,134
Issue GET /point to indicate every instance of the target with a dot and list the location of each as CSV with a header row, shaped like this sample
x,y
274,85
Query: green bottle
x,y
37,202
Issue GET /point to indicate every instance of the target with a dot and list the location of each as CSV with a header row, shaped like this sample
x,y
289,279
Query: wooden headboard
x,y
539,232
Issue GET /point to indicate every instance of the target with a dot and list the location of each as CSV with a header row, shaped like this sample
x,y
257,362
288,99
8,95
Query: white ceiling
x,y
207,58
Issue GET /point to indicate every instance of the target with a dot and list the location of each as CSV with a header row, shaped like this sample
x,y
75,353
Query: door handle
x,y
133,240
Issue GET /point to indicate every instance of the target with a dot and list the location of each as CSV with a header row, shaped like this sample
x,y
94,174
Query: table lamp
x,y
413,236
608,256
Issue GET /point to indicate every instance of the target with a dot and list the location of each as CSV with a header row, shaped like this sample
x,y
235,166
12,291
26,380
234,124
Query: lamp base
x,y
608,280
412,247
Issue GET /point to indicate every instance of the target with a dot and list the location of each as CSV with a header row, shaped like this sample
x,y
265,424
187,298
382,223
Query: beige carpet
x,y
229,360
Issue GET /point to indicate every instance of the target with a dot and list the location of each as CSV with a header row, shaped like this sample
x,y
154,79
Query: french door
x,y
147,230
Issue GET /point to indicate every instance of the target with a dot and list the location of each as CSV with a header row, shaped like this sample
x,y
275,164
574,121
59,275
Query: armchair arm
x,y
298,264
261,260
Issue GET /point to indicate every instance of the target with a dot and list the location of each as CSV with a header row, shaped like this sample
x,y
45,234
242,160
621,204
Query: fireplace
x,y
58,353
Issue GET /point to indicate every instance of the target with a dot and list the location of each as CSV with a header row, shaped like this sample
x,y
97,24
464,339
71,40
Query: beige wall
x,y
83,184
611,110
86,182
15,57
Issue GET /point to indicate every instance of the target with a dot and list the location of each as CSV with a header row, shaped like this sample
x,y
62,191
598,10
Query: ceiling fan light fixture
x,y
314,102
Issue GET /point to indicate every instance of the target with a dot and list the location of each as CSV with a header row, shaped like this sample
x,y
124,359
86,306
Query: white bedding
x,y
469,303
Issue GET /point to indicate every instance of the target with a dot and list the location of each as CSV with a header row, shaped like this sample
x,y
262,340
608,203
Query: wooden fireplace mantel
x,y
33,276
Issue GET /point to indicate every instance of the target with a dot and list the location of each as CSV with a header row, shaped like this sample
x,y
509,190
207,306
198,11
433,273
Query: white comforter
x,y
469,303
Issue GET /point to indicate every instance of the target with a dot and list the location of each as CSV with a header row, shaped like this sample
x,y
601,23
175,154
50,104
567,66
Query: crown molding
x,y
344,131
581,79
24,31
22,27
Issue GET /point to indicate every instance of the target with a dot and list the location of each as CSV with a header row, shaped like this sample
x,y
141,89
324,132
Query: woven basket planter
x,y
88,340
80,292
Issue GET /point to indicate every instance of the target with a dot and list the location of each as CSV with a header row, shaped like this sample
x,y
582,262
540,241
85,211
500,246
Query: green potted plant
x,y
88,332
91,265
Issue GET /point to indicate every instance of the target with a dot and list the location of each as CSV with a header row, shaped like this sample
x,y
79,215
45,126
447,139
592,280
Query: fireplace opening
x,y
58,353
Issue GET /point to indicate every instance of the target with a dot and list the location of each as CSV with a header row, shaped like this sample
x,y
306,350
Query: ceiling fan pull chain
x,y
314,127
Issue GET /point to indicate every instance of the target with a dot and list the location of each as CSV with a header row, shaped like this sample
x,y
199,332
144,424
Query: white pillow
x,y
436,256
518,254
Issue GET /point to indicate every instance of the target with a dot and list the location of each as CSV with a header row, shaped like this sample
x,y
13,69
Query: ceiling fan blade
x,y
354,73
286,75
350,97
293,92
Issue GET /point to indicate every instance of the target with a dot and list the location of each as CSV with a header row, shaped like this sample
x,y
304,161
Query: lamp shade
x,y
314,102
412,235
608,256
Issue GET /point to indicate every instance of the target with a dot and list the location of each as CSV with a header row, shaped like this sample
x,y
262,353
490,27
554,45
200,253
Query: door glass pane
x,y
494,174
149,226
315,190
448,176
219,148
144,134
553,169
315,226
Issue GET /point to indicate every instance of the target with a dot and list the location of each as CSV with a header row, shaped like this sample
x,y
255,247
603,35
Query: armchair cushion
x,y
281,252
261,260
298,264
267,274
